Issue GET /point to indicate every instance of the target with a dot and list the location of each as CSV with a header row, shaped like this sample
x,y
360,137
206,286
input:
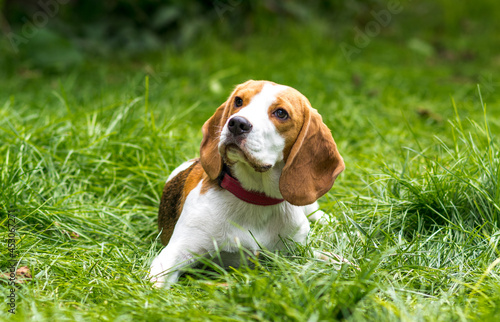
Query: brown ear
x,y
313,163
210,158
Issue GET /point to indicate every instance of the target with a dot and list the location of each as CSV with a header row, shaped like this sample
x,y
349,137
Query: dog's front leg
x,y
314,214
168,265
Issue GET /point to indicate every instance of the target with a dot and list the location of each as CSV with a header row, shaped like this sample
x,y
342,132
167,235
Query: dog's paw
x,y
158,281
163,275
319,217
157,274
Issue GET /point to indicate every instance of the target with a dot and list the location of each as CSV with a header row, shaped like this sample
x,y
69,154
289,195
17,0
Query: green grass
x,y
84,156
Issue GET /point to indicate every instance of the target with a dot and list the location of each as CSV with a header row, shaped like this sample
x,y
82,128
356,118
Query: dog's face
x,y
263,124
261,118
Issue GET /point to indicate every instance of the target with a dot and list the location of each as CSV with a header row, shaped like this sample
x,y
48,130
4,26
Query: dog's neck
x,y
265,182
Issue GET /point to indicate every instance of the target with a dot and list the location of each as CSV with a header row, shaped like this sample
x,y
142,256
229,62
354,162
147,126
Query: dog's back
x,y
174,194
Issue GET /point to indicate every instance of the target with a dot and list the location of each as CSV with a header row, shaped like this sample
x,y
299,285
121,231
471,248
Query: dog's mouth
x,y
232,153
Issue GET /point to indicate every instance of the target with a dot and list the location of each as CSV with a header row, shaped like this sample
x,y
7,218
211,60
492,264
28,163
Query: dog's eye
x,y
281,114
238,101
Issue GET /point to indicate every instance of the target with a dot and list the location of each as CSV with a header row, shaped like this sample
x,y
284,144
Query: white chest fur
x,y
221,219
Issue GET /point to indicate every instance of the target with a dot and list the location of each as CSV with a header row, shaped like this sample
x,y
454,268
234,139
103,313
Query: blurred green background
x,y
410,46
58,34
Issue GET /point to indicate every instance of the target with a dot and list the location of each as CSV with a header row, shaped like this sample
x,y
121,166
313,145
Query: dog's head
x,y
263,124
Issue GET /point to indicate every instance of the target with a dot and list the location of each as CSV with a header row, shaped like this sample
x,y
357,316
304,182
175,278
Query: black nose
x,y
239,125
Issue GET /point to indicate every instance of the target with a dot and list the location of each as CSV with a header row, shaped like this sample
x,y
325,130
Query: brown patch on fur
x,y
174,195
209,184
195,176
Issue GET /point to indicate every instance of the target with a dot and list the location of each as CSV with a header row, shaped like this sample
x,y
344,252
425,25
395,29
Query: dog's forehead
x,y
252,87
267,92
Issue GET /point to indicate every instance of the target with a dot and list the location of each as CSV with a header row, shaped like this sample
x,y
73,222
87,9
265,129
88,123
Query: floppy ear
x,y
210,158
313,163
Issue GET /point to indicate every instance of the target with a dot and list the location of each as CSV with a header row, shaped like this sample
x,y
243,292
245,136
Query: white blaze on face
x,y
263,143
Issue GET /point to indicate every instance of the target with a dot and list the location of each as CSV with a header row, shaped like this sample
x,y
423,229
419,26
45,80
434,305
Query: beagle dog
x,y
265,158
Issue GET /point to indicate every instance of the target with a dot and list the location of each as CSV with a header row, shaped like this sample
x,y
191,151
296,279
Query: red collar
x,y
255,198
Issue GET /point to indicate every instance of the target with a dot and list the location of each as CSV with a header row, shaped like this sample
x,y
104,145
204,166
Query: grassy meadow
x,y
84,154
